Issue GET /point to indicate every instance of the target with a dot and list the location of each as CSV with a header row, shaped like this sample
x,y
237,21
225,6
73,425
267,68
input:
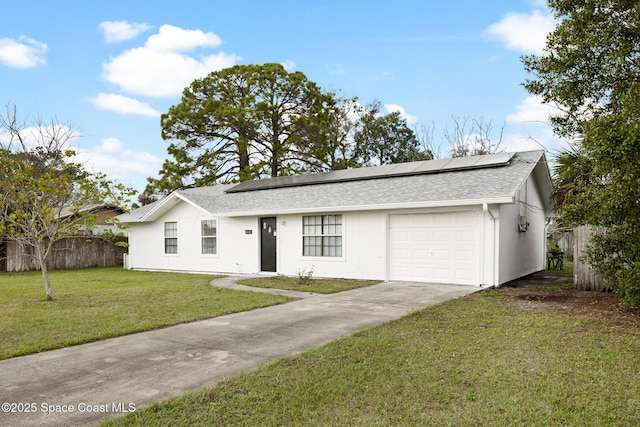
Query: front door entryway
x,y
268,244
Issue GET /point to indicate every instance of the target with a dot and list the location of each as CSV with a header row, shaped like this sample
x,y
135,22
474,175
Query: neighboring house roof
x,y
93,208
493,178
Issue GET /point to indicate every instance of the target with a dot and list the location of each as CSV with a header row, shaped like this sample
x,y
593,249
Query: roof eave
x,y
544,177
373,207
164,206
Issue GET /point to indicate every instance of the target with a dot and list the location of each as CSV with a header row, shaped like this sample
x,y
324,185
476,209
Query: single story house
x,y
476,221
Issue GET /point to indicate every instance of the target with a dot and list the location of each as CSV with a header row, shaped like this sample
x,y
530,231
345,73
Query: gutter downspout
x,y
485,208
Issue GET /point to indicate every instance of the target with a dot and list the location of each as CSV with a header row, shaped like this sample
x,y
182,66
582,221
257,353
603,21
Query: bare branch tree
x,y
472,137
425,135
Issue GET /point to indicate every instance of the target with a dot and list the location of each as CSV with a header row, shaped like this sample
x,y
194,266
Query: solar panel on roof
x,y
373,172
357,173
462,162
491,159
432,165
408,167
383,170
340,173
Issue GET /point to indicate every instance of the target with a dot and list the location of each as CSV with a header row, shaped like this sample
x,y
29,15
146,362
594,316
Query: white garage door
x,y
435,247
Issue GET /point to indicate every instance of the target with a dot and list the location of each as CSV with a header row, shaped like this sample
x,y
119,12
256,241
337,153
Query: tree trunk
x,y
244,163
41,255
47,283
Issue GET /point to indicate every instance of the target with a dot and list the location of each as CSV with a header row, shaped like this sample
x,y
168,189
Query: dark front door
x,y
268,244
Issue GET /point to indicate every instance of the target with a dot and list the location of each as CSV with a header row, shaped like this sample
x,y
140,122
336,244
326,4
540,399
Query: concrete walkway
x,y
88,383
231,282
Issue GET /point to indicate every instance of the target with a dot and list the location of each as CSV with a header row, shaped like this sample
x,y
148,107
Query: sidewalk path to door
x,y
87,383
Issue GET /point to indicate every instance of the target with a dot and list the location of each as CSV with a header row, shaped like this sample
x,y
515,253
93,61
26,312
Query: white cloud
x,y
532,109
289,65
110,145
22,53
523,32
175,39
123,105
354,110
529,127
112,158
160,68
147,72
514,142
533,138
392,108
117,31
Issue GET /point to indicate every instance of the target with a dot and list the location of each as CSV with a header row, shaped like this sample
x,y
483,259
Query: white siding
x,y
363,251
522,253
366,239
364,242
237,251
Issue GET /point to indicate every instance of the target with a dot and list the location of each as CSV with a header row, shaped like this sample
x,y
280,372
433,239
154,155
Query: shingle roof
x,y
375,172
92,208
490,184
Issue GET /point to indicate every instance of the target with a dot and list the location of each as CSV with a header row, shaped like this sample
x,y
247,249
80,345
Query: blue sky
x,y
109,69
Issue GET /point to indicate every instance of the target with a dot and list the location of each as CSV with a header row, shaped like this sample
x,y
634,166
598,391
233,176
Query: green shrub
x,y
305,276
614,254
554,248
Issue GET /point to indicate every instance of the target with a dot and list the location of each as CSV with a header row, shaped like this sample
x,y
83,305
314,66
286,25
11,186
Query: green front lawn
x,y
322,286
508,357
93,304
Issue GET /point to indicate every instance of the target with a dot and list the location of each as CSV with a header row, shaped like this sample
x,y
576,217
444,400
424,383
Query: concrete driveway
x,y
88,383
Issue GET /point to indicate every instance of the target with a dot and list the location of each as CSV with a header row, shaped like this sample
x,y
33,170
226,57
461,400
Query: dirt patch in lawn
x,y
550,292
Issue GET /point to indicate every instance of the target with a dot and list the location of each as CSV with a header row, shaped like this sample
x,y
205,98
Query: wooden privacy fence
x,y
584,277
72,252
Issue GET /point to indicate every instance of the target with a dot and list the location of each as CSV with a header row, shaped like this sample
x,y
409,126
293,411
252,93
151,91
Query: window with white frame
x,y
322,235
170,237
209,234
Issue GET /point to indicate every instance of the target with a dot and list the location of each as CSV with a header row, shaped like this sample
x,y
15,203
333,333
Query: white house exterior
x,y
469,221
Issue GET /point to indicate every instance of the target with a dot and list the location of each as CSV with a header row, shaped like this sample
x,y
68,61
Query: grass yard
x,y
534,355
322,286
93,304
567,269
